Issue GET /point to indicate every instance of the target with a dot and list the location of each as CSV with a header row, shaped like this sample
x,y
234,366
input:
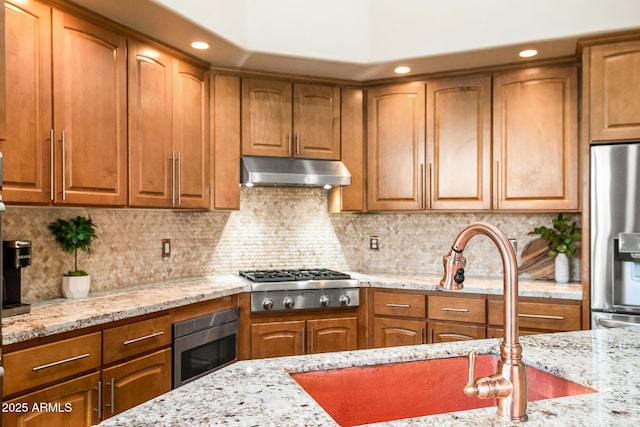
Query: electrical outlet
x,y
374,243
166,248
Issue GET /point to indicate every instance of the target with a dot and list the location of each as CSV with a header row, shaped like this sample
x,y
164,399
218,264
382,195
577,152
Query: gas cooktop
x,y
319,288
262,276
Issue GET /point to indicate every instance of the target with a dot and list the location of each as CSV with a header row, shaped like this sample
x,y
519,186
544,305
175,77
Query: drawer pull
x,y
541,316
60,362
399,305
146,337
459,310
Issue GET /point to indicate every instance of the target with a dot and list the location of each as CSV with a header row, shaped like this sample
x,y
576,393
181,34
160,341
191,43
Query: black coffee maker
x,y
16,256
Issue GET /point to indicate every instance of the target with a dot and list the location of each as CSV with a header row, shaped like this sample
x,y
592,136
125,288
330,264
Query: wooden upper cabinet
x,y
150,126
459,143
535,139
614,89
351,197
396,147
90,112
191,134
281,119
316,121
266,117
168,130
27,150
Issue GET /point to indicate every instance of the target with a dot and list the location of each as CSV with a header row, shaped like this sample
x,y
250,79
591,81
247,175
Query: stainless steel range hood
x,y
289,171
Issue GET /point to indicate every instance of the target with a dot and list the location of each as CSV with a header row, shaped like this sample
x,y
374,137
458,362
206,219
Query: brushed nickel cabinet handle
x,y
541,316
303,341
60,362
112,393
51,164
311,339
99,410
290,143
64,169
398,305
421,335
459,310
179,172
431,336
298,143
146,337
173,178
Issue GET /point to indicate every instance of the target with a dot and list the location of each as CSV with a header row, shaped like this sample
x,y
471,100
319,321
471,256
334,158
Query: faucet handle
x,y
470,389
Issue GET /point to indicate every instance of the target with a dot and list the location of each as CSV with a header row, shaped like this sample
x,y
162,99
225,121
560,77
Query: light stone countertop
x,y
62,315
262,392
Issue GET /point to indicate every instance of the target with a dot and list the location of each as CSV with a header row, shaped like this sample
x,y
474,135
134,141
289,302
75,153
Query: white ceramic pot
x,y
75,286
562,268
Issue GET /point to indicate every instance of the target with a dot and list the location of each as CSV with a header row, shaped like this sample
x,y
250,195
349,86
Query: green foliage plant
x,y
76,233
562,237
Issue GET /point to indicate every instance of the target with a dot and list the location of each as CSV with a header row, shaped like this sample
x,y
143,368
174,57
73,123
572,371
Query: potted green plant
x,y
562,243
76,233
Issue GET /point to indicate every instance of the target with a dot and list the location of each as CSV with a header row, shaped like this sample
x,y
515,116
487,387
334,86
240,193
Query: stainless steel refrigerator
x,y
615,235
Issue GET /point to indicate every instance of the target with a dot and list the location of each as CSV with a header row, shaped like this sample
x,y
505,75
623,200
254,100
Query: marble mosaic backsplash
x,y
275,228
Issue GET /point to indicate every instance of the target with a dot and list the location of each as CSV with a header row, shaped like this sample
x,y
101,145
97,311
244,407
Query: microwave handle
x,y
608,323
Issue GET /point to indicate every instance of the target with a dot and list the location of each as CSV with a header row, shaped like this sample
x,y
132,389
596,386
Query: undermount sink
x,y
369,394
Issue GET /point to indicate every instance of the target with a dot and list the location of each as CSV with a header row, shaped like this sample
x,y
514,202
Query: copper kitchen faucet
x,y
509,384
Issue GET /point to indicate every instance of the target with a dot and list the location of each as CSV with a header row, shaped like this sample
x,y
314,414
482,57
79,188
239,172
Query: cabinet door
x,y
351,197
191,135
389,332
396,147
90,112
615,91
316,121
459,143
225,133
277,339
448,332
3,124
150,126
266,118
132,383
71,403
325,335
535,139
27,151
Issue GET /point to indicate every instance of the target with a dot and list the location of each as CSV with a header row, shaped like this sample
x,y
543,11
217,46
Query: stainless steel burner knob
x,y
344,300
324,300
267,304
288,302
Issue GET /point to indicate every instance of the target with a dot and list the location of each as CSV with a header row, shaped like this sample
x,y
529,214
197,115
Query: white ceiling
x,y
366,39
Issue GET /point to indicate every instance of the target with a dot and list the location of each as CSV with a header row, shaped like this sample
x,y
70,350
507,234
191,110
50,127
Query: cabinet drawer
x,y
135,338
537,315
472,310
46,363
399,304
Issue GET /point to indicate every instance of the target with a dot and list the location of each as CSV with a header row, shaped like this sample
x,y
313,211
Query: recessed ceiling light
x,y
200,45
528,53
402,70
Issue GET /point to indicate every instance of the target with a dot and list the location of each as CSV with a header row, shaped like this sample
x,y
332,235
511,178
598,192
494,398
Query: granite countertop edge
x,y
263,392
60,315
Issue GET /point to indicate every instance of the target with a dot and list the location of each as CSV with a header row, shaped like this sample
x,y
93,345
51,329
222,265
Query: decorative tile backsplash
x,y
275,228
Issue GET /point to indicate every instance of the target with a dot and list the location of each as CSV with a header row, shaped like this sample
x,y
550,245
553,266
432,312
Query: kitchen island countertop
x,y
62,315
262,392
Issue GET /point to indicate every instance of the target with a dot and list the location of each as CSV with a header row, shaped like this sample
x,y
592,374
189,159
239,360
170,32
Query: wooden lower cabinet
x,y
70,403
390,332
448,332
537,315
295,337
131,383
